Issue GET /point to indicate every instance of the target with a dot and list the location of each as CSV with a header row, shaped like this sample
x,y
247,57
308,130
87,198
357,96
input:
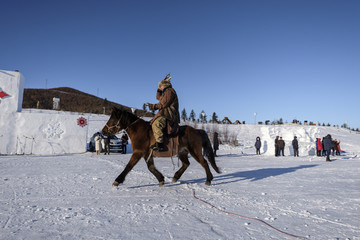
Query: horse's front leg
x,y
133,161
183,156
153,170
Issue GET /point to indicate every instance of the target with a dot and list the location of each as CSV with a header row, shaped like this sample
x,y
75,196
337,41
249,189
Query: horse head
x,y
120,119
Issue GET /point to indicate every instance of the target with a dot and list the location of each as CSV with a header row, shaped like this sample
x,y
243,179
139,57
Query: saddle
x,y
171,140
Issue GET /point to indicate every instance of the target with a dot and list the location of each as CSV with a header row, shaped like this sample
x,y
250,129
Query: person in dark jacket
x,y
328,146
323,151
107,145
124,142
258,145
295,145
216,143
281,146
277,146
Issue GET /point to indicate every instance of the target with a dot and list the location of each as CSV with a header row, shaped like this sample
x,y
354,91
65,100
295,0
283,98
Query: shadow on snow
x,y
253,175
258,174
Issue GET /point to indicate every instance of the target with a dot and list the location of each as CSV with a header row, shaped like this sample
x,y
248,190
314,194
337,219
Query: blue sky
x,y
282,59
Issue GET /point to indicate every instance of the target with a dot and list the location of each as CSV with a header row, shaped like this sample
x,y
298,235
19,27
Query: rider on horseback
x,y
168,113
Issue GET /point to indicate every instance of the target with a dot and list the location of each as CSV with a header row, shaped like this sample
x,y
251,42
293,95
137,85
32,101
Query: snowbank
x,y
34,131
11,91
40,131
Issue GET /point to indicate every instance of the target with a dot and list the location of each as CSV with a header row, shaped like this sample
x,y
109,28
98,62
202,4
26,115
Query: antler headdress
x,y
166,82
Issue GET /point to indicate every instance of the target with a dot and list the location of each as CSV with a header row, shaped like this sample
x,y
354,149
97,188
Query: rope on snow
x,y
244,217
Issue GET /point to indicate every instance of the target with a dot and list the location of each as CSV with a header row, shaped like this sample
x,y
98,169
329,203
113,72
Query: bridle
x,y
117,125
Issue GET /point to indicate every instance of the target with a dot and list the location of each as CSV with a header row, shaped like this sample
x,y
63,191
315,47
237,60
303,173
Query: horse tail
x,y
208,150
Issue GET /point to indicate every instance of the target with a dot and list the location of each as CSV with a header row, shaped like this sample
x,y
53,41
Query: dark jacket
x,y
124,139
295,143
327,142
258,144
281,143
277,142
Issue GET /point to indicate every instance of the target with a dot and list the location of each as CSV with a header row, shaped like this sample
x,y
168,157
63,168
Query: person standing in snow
x,y
106,144
338,149
323,147
333,142
277,146
258,145
216,143
97,140
124,142
281,146
328,146
319,147
295,145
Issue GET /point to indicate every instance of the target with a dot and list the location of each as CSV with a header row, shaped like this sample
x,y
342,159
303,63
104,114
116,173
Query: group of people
x,y
326,145
103,142
323,147
280,146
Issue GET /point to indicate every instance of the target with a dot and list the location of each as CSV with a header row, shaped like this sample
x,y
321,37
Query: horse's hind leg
x,y
133,161
200,158
153,170
185,164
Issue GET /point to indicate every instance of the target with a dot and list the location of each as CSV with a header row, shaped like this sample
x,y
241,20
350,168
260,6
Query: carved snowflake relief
x,y
53,130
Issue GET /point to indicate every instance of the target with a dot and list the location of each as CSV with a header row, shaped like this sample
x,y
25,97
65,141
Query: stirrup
x,y
159,147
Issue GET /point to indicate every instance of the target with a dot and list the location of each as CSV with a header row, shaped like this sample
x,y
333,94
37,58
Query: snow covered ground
x,y
71,197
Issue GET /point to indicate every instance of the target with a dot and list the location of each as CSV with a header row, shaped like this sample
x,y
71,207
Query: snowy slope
x,y
71,197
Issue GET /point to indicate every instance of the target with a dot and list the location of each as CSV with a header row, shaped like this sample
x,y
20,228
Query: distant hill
x,y
72,100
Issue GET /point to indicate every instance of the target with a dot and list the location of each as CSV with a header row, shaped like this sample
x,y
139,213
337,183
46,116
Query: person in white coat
x,y
97,140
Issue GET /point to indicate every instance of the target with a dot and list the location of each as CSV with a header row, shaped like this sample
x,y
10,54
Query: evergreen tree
x,y
202,117
192,115
214,118
184,115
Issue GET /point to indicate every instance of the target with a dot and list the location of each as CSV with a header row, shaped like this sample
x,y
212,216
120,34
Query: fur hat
x,y
166,82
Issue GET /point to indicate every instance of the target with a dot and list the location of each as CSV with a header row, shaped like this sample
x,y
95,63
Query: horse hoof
x,y
115,184
207,183
174,180
161,183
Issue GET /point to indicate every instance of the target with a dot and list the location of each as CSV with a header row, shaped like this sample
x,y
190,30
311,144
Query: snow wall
x,y
35,131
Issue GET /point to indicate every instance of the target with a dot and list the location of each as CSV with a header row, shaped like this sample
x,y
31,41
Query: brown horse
x,y
190,141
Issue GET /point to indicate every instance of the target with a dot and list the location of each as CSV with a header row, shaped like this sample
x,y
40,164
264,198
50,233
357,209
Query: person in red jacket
x,y
319,147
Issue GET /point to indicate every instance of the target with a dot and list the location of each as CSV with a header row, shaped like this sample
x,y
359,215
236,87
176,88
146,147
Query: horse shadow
x,y
252,176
